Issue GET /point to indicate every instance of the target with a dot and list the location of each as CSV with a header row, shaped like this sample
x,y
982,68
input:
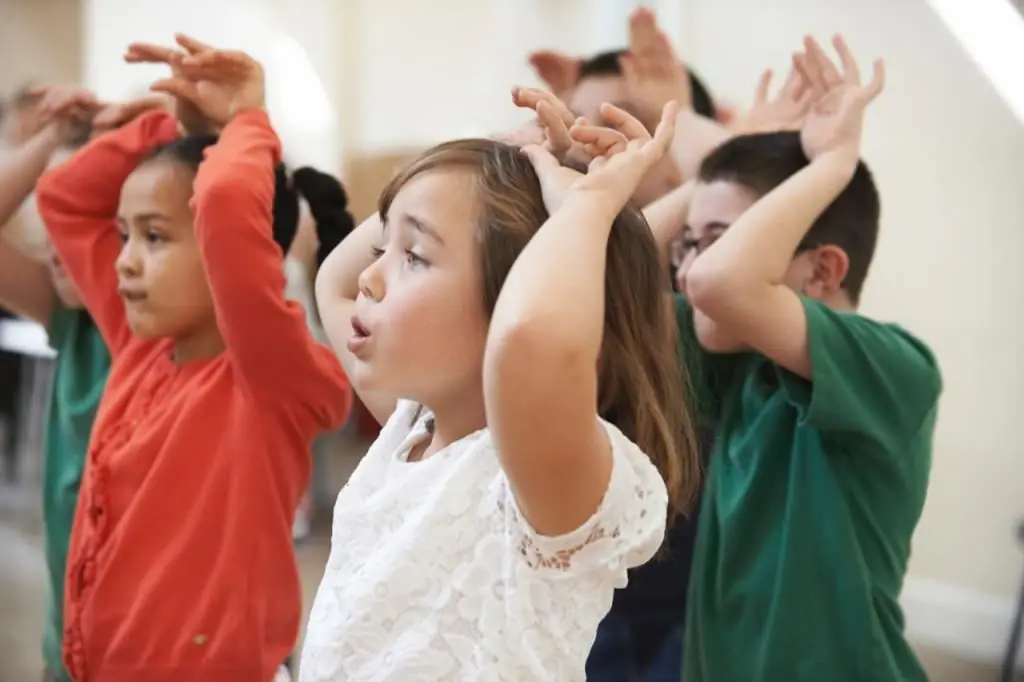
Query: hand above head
x,y
192,121
558,70
553,123
835,122
68,108
652,70
623,152
786,111
212,84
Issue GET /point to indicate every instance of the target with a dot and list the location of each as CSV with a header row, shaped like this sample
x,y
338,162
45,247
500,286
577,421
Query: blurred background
x,y
356,86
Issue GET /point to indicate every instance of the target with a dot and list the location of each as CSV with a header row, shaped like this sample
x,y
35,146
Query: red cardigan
x,y
181,564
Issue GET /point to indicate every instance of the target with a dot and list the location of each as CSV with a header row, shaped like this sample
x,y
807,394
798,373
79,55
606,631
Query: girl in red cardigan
x,y
181,564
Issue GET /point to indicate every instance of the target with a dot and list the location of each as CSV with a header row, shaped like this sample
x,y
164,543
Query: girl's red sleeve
x,y
78,202
266,335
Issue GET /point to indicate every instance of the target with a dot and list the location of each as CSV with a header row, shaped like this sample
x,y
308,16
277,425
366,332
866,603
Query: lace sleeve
x,y
626,530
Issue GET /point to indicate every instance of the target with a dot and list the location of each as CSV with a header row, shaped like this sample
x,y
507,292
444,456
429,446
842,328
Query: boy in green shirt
x,y
825,417
42,292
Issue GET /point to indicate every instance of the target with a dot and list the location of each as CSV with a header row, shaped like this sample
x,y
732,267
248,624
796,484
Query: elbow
x,y
709,286
533,348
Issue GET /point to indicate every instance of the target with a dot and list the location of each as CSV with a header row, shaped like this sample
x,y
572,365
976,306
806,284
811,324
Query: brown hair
x,y
642,385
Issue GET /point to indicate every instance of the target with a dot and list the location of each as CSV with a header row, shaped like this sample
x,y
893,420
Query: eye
x,y
154,238
376,251
412,259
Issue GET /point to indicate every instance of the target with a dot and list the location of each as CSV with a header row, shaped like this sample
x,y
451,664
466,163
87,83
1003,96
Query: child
x,y
489,316
824,446
41,291
181,566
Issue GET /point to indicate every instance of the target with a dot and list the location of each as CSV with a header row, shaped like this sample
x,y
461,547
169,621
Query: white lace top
x,y
434,575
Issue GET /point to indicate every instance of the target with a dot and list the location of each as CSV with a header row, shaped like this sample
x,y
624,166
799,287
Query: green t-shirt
x,y
82,367
813,493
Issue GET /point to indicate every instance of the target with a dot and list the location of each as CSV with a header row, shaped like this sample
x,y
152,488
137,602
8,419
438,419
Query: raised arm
x,y
337,287
25,284
738,281
265,334
78,202
540,378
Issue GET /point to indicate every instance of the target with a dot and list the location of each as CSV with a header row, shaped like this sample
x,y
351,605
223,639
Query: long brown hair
x,y
642,385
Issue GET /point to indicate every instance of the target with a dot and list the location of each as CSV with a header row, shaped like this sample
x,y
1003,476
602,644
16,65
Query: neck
x,y
200,345
455,420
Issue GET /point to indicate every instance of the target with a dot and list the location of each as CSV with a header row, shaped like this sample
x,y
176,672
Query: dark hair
x,y
761,162
326,198
607,64
328,203
641,385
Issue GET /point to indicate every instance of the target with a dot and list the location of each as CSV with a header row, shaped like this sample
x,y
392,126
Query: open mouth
x,y
131,295
359,329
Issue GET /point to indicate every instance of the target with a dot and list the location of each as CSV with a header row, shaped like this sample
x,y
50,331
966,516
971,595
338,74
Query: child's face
x,y
421,303
160,272
714,207
586,100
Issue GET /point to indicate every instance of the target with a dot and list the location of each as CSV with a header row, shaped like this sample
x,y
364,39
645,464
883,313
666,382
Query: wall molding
x,y
971,625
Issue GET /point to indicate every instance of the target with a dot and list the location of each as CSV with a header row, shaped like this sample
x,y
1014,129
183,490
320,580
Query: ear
x,y
830,266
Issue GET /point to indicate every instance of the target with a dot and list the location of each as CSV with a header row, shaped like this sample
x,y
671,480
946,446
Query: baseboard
x,y
972,625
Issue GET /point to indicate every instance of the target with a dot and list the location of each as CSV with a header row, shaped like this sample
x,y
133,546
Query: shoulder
x,y
856,340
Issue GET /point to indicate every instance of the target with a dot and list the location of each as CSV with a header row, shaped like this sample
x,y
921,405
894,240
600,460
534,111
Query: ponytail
x,y
329,205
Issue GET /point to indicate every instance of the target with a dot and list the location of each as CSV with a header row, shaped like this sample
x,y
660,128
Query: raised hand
x,y
558,70
68,107
221,83
622,156
787,110
554,120
835,121
191,119
652,70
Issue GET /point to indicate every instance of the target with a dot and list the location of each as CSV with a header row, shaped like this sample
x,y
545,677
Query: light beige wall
x,y
39,40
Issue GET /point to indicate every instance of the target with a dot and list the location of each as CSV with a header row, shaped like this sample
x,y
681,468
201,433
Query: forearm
x,y
696,137
21,168
667,216
553,299
756,251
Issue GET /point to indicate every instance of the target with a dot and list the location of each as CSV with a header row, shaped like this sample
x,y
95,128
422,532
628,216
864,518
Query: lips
x,y
131,295
360,336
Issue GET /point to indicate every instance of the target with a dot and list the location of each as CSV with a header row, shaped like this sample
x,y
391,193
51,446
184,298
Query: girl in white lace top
x,y
509,302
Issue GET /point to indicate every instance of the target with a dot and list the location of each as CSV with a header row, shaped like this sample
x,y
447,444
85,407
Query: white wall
x,y
39,41
948,155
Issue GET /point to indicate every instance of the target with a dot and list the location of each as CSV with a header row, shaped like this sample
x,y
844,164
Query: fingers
x,y
529,98
851,72
541,159
191,45
666,129
147,53
624,122
877,84
555,130
827,72
599,140
178,87
216,66
763,85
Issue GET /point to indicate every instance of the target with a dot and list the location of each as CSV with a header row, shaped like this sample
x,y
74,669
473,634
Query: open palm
x,y
835,121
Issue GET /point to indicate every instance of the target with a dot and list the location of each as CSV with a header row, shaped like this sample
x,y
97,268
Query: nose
x,y
682,270
129,263
371,280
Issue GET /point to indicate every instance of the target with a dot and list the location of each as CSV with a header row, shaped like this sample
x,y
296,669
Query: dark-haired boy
x,y
825,417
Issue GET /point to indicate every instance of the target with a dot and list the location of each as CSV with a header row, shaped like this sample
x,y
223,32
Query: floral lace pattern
x,y
435,575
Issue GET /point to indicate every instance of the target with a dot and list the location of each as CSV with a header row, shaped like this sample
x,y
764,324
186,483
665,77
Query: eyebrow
x,y
422,226
145,218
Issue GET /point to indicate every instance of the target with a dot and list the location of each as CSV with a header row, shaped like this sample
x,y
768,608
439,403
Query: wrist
x,y
842,162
